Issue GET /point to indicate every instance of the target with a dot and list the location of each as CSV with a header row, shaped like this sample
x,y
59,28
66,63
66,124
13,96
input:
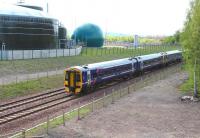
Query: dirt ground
x,y
152,112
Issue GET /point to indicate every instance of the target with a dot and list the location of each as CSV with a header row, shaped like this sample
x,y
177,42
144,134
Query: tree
x,y
190,39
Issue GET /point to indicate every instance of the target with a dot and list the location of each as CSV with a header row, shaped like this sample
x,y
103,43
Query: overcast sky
x,y
143,17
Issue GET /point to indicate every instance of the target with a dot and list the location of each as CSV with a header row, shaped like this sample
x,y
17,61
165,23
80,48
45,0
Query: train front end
x,y
73,80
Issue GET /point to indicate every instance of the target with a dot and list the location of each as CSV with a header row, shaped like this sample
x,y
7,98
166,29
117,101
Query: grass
x,y
88,55
188,86
31,86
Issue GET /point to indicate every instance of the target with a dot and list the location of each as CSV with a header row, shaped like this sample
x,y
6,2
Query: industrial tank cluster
x,y
25,27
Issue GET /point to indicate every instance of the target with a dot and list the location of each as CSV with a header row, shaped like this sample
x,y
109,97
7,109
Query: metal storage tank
x,y
27,29
62,34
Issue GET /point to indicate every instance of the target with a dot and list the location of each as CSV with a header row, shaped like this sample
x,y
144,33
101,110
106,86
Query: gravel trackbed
x,y
152,112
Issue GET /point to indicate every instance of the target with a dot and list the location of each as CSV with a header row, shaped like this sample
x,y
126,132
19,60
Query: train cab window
x,y
66,76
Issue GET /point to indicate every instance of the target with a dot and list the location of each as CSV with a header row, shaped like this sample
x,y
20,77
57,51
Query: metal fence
x,y
127,50
33,54
16,74
108,97
20,78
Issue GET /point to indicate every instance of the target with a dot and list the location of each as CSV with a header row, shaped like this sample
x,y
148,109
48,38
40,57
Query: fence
x,y
20,78
127,51
129,44
32,54
40,68
108,97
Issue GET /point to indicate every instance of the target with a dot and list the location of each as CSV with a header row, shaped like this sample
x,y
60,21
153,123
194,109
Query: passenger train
x,y
79,79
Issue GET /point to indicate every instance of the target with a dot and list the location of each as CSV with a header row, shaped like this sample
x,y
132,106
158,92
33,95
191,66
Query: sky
x,y
141,17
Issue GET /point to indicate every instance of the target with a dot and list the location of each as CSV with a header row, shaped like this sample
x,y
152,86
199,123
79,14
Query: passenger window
x,y
78,78
95,75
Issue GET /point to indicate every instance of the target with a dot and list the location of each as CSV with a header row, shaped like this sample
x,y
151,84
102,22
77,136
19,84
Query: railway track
x,y
49,100
41,102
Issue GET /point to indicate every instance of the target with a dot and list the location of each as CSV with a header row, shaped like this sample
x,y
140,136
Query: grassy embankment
x,y
188,86
89,55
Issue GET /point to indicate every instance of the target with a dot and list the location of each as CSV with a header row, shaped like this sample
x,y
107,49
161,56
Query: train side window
x,y
84,76
94,75
78,77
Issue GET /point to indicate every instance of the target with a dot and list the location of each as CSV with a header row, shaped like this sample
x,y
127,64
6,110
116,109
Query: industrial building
x,y
25,27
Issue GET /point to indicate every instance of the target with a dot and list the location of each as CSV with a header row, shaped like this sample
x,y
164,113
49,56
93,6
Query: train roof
x,y
150,56
173,52
108,64
123,61
13,10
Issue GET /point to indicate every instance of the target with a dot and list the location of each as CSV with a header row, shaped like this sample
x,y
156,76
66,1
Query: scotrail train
x,y
79,79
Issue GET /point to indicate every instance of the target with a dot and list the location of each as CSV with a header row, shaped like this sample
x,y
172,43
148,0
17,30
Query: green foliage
x,y
89,34
175,39
190,38
123,38
130,39
148,41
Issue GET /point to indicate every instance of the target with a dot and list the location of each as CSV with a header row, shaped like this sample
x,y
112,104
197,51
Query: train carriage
x,y
81,78
84,77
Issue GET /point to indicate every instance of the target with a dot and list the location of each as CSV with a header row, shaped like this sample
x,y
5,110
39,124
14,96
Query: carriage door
x,y
133,66
72,81
88,77
141,63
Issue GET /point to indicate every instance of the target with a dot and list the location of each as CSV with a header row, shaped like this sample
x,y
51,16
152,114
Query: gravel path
x,y
151,112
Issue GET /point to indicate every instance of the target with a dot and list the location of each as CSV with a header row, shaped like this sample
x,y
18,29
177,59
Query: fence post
x,y
32,53
16,79
27,78
56,71
81,51
96,51
79,111
12,54
23,54
104,97
63,118
23,133
37,75
47,124
195,82
56,52
47,73
113,96
128,90
49,53
40,53
92,104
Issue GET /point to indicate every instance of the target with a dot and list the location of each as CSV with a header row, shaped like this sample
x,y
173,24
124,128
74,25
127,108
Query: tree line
x,y
190,40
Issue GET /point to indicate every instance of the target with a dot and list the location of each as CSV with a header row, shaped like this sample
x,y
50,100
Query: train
x,y
81,79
